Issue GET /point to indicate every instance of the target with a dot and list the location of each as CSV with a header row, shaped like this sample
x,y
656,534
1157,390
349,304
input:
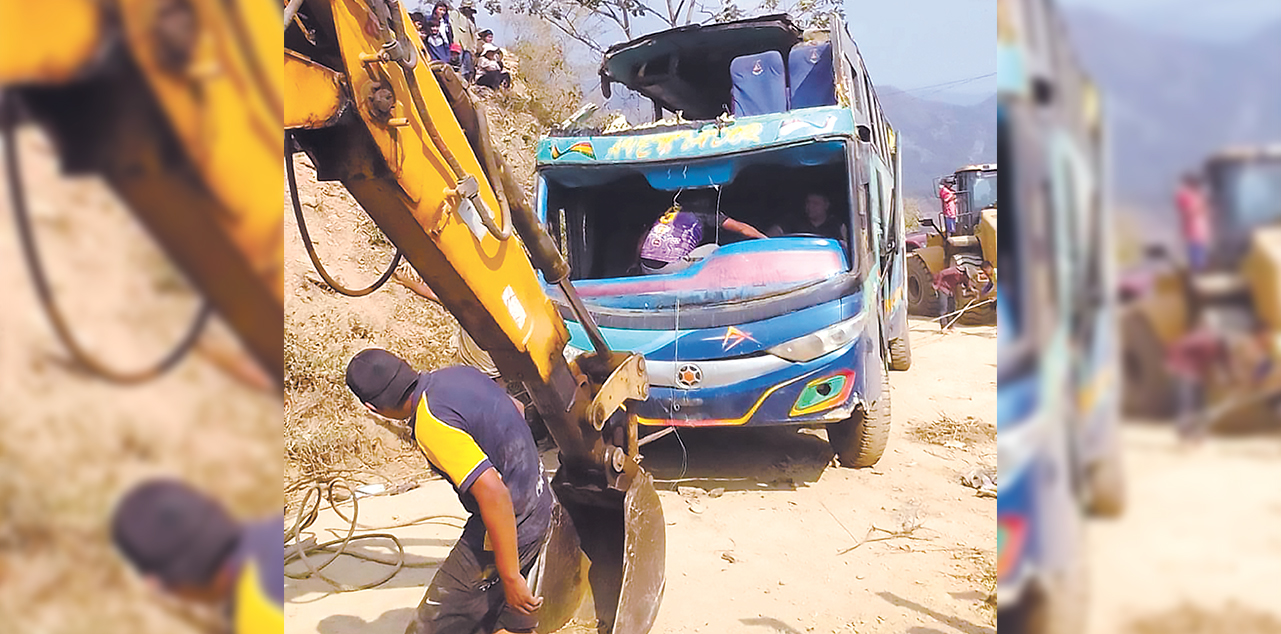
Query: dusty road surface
x,y
760,525
1198,550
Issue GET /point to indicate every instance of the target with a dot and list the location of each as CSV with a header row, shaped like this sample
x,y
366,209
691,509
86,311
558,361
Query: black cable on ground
x,y
324,490
48,304
311,250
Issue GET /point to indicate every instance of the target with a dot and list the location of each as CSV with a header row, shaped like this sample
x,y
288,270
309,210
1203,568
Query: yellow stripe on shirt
x,y
450,449
256,613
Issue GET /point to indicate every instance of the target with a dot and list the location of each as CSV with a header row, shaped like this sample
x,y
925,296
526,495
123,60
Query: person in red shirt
x,y
948,197
1194,219
948,282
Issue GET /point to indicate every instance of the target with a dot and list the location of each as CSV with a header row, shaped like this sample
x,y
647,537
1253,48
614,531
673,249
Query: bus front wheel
x,y
859,440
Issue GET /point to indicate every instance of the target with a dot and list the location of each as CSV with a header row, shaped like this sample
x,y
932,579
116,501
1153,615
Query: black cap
x,y
168,529
380,378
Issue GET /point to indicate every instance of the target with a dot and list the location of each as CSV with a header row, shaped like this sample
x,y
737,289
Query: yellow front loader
x,y
1236,299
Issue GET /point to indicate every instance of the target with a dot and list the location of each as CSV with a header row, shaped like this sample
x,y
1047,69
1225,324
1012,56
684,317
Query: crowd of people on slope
x,y
449,35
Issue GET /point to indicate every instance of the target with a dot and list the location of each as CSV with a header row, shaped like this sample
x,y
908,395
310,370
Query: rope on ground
x,y
956,314
329,489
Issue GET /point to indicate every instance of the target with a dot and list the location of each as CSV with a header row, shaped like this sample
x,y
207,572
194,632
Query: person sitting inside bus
x,y
816,219
685,226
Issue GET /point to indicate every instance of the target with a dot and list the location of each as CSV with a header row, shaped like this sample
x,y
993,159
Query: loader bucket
x,y
623,537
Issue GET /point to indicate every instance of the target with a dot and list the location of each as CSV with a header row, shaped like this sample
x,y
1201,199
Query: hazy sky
x,y
1217,20
911,44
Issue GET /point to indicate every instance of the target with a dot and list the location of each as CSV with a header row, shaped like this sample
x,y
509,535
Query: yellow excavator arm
x,y
176,105
404,137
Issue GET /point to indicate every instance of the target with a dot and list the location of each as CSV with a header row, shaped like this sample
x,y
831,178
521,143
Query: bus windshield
x,y
752,226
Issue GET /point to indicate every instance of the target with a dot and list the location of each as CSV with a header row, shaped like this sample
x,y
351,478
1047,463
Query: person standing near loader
x,y
947,196
472,434
1194,219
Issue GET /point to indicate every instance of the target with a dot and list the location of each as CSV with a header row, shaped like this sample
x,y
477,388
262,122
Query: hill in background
x,y
1173,100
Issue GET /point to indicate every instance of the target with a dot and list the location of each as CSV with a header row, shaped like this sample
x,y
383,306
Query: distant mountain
x,y
1173,100
939,137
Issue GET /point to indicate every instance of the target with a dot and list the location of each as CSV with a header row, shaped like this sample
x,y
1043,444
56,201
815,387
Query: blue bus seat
x,y
758,84
812,78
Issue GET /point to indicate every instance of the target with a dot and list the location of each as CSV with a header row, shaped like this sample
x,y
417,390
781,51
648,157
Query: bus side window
x,y
872,219
859,234
853,82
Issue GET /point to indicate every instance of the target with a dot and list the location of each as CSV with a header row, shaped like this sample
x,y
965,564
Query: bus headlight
x,y
817,344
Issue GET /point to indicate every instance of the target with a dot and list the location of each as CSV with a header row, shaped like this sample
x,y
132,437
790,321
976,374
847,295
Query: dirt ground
x,y
1198,550
70,444
760,524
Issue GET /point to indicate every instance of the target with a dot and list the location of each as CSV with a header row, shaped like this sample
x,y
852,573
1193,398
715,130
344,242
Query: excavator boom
x,y
404,137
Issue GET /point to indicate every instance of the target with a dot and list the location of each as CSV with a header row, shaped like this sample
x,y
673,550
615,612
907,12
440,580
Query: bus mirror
x,y
927,222
605,90
864,133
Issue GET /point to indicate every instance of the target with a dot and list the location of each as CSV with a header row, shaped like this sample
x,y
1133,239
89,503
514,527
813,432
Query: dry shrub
x,y
970,431
548,77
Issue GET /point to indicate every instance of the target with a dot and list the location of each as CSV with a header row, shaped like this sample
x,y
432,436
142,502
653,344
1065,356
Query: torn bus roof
x,y
687,68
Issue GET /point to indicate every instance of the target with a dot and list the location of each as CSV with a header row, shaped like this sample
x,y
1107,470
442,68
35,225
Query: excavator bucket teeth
x,y
623,537
644,558
560,577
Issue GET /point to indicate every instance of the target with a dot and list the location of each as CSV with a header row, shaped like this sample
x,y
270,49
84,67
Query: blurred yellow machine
x,y
176,105
404,137
973,242
1237,299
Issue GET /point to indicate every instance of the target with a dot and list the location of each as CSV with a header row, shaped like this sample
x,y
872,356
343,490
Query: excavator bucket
x,y
644,551
623,538
560,577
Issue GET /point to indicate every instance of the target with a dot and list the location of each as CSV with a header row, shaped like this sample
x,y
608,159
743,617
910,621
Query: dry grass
x,y
544,76
970,431
1188,619
981,565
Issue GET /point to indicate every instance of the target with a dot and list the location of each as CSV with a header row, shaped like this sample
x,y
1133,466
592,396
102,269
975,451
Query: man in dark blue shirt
x,y
473,435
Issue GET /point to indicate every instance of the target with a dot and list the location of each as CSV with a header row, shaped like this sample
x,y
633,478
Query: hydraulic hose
x,y
44,291
311,249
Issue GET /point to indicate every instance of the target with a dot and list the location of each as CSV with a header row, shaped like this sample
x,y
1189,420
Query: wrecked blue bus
x,y
1058,362
791,308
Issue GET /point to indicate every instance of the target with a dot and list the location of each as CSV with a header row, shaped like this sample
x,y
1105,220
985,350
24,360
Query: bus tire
x,y
859,440
1059,607
1149,390
900,354
976,314
1105,483
922,298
